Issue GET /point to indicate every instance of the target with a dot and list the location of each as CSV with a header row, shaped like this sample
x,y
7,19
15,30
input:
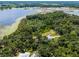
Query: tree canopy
x,y
28,36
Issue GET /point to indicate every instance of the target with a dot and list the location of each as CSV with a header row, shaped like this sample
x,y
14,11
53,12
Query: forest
x,y
28,36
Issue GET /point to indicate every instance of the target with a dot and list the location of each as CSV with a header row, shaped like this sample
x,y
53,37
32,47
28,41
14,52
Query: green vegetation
x,y
28,36
6,7
24,4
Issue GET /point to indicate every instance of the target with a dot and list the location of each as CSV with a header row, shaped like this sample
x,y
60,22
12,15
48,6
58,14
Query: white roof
x,y
49,37
26,54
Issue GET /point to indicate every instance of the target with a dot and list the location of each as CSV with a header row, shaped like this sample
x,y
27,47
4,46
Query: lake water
x,y
74,12
8,17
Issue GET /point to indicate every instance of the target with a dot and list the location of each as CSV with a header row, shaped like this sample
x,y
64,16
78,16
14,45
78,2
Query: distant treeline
x,y
21,4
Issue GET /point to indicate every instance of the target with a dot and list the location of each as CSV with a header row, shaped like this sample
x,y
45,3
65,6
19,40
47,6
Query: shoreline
x,y
7,30
52,9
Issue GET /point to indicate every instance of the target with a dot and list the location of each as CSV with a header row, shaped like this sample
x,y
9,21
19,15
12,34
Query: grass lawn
x,y
51,32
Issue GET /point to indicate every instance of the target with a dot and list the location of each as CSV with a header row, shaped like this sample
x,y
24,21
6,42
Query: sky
x,y
39,0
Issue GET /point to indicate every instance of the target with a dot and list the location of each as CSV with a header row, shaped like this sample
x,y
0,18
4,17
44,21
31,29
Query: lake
x,y
8,17
74,12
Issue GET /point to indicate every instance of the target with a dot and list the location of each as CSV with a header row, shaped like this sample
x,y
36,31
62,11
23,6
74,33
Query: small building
x,y
26,54
50,34
49,37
